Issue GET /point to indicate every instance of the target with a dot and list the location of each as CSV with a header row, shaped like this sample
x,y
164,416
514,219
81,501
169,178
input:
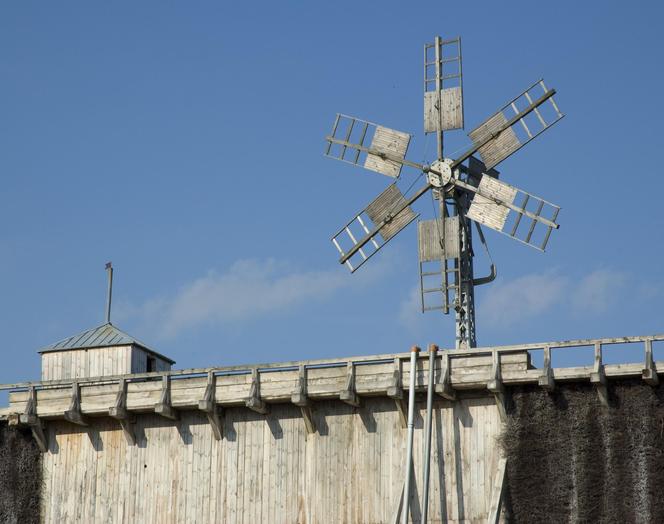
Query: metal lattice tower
x,y
466,188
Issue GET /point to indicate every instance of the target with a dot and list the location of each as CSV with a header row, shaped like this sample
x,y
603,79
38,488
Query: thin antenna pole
x,y
109,294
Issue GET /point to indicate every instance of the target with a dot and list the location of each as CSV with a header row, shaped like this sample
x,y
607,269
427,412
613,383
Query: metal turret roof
x,y
102,336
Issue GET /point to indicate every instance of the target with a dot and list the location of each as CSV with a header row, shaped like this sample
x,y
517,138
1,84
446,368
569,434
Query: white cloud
x,y
599,291
410,311
506,303
509,301
245,291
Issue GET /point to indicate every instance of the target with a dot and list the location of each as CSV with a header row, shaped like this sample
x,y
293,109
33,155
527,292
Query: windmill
x,y
465,186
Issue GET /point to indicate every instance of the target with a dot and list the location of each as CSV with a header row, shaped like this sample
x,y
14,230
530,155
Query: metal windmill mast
x,y
466,187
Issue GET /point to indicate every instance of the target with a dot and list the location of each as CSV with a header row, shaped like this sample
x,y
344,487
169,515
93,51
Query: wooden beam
x,y
497,492
495,386
649,373
546,380
164,406
30,418
348,394
208,405
444,386
254,400
598,376
119,412
396,514
39,434
395,392
74,414
302,400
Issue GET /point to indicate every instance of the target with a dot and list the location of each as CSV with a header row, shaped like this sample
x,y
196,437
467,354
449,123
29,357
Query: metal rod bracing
x,y
433,349
409,447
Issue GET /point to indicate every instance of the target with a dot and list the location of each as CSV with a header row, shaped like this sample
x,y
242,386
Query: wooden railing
x,y
349,379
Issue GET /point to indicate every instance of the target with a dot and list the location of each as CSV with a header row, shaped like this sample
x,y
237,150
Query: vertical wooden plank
x,y
232,472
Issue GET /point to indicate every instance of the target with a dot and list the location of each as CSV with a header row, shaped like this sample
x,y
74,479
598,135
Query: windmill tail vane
x,y
467,187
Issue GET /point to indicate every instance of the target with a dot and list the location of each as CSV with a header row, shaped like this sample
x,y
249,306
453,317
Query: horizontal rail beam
x,y
294,365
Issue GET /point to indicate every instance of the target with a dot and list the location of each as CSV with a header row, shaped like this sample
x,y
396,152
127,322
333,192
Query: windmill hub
x,y
440,173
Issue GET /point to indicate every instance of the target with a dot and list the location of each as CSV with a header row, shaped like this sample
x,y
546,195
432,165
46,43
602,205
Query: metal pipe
x,y
109,295
433,350
409,448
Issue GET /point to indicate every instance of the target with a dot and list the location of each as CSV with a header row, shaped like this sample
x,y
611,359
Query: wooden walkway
x,y
257,386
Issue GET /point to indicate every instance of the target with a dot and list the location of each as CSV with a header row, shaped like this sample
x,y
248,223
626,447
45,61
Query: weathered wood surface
x,y
81,363
97,362
269,469
275,387
467,369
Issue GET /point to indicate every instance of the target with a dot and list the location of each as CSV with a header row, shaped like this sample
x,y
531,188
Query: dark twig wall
x,y
572,460
20,476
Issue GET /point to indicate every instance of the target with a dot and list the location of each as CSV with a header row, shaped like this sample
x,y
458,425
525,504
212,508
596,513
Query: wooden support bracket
x,y
164,407
395,391
208,405
649,373
546,379
349,395
495,386
444,386
598,377
497,492
302,400
30,418
254,401
74,414
119,412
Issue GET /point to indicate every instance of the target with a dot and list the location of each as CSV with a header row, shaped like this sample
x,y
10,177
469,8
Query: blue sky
x,y
183,141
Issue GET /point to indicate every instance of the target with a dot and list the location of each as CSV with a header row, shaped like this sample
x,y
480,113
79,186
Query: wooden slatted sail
x,y
391,142
443,110
443,86
499,148
485,210
364,143
365,228
385,207
430,237
513,212
515,124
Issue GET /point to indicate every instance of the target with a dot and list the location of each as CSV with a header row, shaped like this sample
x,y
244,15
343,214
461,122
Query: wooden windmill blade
x,y
515,124
513,212
443,86
438,242
370,145
368,231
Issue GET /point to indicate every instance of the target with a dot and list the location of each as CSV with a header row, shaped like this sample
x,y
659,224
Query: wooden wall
x,y
96,362
268,469
80,363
